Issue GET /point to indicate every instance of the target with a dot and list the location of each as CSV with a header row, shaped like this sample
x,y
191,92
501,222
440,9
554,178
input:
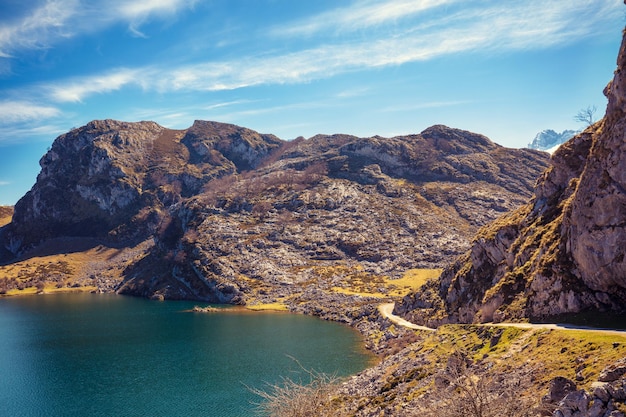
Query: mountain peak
x,y
549,139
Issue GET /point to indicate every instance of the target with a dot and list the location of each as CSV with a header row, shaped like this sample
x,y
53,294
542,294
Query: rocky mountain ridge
x,y
231,215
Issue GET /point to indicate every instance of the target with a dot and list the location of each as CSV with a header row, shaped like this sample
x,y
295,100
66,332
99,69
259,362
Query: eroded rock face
x,y
88,181
596,227
112,178
563,252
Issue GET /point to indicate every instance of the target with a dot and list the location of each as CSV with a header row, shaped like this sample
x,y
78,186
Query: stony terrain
x,y
225,214
489,371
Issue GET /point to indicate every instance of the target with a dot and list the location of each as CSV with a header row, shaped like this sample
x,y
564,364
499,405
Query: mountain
x,y
548,140
221,213
560,253
116,178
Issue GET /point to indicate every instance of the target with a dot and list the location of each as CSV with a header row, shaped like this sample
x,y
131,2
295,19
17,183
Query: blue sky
x,y
504,68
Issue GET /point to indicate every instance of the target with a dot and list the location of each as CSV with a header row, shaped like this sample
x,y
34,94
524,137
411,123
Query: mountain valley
x,y
463,235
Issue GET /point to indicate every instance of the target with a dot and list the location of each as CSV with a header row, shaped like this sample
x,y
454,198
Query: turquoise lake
x,y
105,355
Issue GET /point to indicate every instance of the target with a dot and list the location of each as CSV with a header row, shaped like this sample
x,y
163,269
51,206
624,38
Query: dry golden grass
x,y
367,285
412,280
6,213
50,289
75,270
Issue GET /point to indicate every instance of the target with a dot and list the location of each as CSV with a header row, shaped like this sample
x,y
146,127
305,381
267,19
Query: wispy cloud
x,y
3,183
498,28
20,133
138,11
56,20
21,111
358,16
39,28
76,89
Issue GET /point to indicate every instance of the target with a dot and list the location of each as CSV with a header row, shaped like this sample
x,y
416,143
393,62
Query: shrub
x,y
291,398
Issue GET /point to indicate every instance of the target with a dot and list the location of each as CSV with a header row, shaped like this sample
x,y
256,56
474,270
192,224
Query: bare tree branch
x,y
586,116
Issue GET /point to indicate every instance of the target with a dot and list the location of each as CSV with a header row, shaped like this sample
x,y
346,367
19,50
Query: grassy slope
x,y
385,287
6,213
83,266
409,378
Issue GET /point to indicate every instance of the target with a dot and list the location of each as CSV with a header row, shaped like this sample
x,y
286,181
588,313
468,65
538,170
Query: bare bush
x,y
291,398
314,172
219,188
587,115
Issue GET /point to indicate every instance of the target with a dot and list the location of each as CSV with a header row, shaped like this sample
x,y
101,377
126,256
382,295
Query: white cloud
x,y
137,12
75,90
2,183
360,15
138,9
21,111
20,134
528,24
56,20
36,30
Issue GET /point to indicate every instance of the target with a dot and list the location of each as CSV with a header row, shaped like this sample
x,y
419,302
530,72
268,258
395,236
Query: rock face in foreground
x,y
236,215
563,252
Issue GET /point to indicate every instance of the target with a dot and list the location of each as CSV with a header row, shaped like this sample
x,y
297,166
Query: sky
x,y
503,68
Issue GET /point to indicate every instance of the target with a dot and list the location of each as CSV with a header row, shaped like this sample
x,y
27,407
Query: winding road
x,y
386,310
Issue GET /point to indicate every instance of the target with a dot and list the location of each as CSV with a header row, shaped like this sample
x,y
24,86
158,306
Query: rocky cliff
x,y
563,252
230,215
109,177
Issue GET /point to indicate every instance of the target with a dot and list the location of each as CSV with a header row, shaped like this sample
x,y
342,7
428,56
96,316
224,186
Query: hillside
x,y
225,214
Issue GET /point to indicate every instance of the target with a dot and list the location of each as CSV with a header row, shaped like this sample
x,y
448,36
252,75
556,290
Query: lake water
x,y
105,355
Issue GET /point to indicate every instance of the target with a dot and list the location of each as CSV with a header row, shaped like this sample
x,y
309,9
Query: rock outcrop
x,y
560,253
605,398
237,215
115,178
